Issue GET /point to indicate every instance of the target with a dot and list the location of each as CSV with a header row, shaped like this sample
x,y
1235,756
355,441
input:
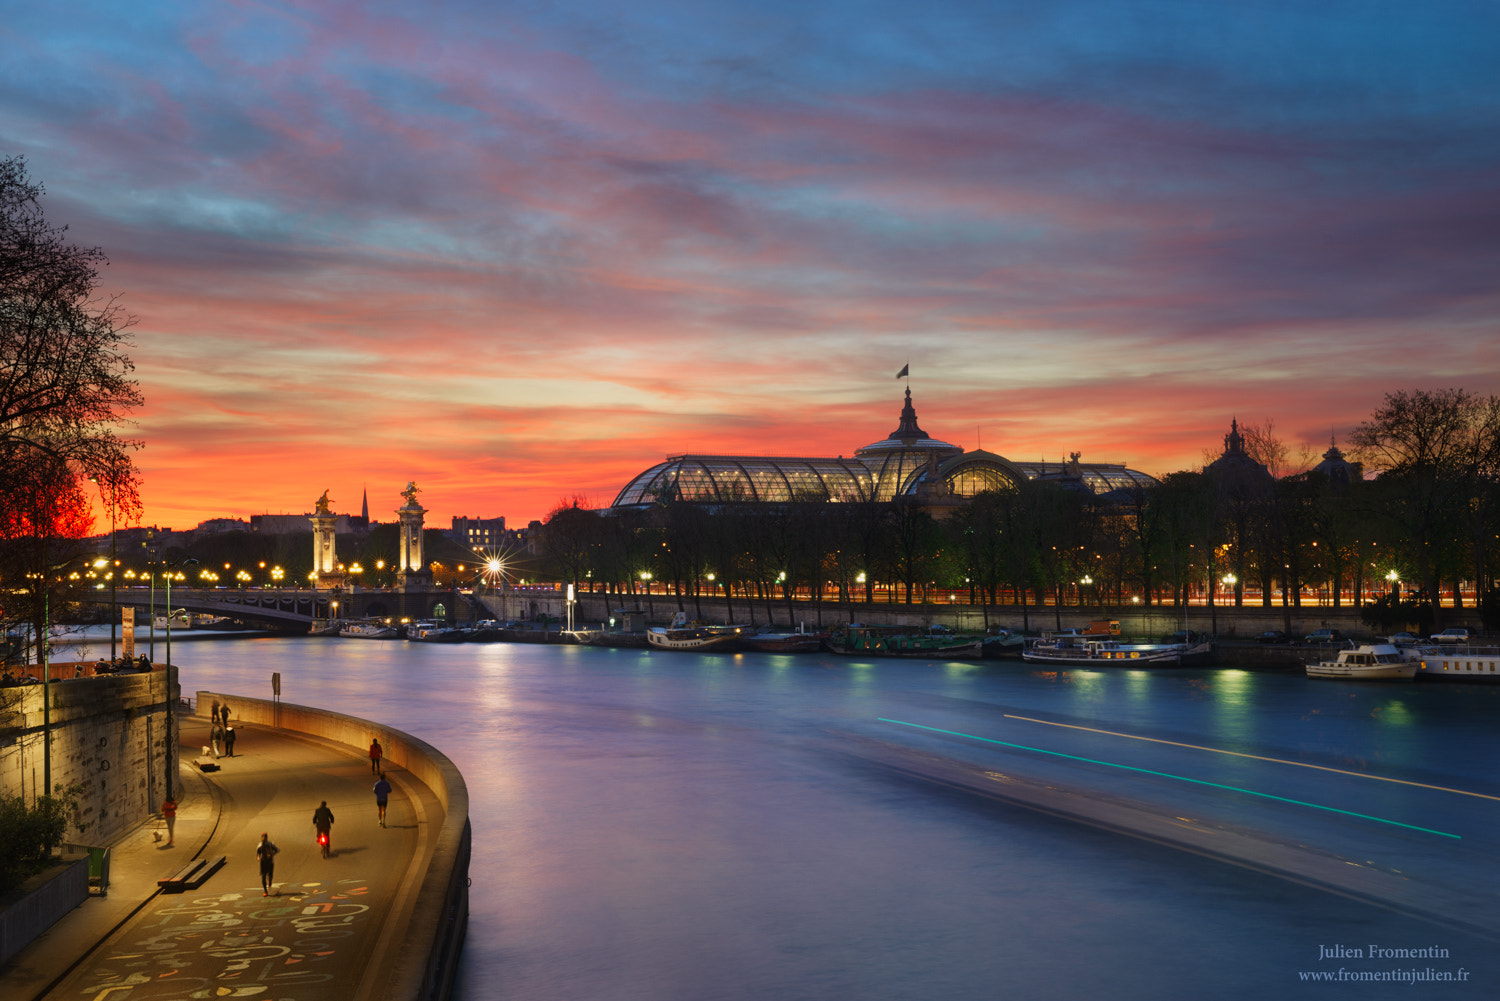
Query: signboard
x,y
127,632
276,683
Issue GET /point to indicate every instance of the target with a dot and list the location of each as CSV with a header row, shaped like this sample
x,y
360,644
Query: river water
x,y
662,826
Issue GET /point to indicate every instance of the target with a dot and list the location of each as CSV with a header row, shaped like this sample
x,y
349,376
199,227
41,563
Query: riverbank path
x,y
330,928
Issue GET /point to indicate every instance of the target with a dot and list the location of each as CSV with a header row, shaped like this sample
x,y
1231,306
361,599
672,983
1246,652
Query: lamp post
x,y
171,702
151,618
43,643
114,611
494,572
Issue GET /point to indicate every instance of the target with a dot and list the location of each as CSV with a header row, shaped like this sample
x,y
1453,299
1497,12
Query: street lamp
x,y
114,611
171,703
493,573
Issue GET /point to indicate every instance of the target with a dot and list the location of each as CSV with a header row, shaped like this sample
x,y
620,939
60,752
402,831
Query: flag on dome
x,y
902,374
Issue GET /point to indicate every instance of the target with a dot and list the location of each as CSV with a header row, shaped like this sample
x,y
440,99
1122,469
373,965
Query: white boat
x,y
1449,664
1090,651
371,629
682,636
435,632
1371,662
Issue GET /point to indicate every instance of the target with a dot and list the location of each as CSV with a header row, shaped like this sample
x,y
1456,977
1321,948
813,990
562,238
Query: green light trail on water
x,y
1166,775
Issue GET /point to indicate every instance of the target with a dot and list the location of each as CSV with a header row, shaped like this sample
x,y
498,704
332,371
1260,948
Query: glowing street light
x,y
646,583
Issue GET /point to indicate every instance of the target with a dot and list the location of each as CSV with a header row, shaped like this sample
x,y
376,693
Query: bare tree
x,y
64,378
1433,450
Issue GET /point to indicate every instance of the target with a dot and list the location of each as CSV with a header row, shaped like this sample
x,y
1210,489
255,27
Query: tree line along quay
x,y
1410,545
1413,542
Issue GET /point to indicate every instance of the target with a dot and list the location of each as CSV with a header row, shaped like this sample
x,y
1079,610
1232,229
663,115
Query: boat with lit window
x,y
1094,651
370,629
1371,662
1450,664
937,643
427,631
682,635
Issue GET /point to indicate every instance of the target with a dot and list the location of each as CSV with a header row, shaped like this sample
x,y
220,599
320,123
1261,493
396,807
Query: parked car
x,y
1403,639
1455,634
1324,636
1273,636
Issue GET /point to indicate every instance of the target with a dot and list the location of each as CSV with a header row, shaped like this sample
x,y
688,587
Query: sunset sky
x,y
518,252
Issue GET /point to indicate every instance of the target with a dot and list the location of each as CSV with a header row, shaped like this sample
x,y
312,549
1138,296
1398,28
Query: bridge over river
x,y
296,609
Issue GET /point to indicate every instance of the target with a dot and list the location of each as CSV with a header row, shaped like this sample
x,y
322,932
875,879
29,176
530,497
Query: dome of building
x,y
1235,464
897,461
1337,468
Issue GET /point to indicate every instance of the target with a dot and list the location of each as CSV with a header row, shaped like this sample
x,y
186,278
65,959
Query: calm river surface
x,y
662,826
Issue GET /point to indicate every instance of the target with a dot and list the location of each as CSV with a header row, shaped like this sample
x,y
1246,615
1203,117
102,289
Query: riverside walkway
x,y
332,929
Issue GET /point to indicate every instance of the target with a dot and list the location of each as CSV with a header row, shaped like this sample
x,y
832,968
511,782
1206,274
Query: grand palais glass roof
x,y
907,463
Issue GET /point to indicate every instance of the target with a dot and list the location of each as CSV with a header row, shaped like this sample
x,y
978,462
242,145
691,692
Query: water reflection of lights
x,y
959,670
1232,686
1393,713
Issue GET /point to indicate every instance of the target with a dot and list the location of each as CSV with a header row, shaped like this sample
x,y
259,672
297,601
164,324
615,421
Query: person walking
x,y
266,852
229,740
224,713
323,821
375,755
382,794
169,814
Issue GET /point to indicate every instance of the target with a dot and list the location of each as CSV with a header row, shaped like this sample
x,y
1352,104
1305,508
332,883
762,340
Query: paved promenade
x,y
328,931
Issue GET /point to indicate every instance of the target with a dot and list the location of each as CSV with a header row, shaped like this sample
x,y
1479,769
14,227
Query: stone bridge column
x,y
413,574
325,560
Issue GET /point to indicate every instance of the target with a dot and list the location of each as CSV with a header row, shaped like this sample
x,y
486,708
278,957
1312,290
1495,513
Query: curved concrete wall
x,y
429,957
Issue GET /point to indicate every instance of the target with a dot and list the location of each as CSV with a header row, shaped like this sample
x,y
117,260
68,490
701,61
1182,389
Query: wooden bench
x,y
192,875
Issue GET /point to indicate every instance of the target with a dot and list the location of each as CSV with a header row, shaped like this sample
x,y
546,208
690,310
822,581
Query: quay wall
x,y
429,953
109,738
